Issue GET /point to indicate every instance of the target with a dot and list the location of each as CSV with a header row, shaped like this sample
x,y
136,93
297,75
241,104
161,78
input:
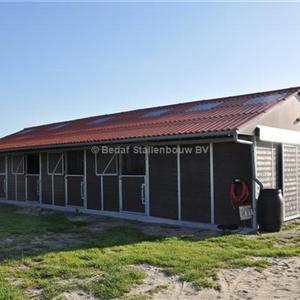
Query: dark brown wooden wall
x,y
2,164
195,184
11,180
163,185
93,183
21,188
111,193
32,188
46,182
59,190
231,161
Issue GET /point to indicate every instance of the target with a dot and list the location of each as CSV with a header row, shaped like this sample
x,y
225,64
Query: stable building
x,y
173,164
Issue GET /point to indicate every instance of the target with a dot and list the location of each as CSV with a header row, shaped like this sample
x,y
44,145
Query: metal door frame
x,y
143,193
146,185
83,184
39,181
82,190
38,187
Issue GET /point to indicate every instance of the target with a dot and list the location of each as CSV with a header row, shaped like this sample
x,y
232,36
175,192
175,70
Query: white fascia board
x,y
278,135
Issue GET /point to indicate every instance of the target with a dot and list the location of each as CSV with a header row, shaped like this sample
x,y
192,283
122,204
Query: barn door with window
x,y
2,177
32,177
132,182
75,186
107,170
56,169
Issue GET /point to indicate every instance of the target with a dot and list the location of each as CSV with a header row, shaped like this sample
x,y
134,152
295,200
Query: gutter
x,y
181,137
240,141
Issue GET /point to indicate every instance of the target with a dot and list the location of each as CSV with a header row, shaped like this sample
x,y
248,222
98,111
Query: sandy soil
x,y
279,281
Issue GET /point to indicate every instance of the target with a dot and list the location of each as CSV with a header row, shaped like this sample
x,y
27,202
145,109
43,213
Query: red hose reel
x,y
239,191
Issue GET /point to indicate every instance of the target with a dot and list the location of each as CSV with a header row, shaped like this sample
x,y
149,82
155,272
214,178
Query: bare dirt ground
x,y
280,281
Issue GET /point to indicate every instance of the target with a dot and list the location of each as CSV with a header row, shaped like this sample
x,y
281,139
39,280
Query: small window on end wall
x,y
75,164
133,163
17,164
55,163
33,164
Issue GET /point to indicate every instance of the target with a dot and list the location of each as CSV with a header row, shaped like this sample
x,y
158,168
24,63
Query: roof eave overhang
x,y
180,137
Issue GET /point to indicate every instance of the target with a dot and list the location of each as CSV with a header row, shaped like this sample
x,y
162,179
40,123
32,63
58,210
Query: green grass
x,y
13,223
102,262
291,225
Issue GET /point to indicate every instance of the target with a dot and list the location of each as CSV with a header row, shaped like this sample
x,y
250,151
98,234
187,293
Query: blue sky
x,y
64,61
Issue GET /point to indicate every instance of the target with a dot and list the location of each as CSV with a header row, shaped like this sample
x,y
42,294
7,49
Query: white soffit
x,y
278,135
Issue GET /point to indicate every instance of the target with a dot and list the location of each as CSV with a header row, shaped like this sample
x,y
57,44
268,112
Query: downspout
x,y
239,141
254,179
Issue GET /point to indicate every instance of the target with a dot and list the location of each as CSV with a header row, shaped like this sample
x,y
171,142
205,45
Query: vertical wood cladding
x,y
163,185
21,187
93,183
32,188
291,175
230,161
74,190
195,184
11,180
111,193
59,190
2,164
2,187
132,194
46,182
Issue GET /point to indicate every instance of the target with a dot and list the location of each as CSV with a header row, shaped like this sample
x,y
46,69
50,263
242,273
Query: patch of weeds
x,y
114,283
157,289
7,290
247,262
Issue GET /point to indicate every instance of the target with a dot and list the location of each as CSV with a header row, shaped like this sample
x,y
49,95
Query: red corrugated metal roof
x,y
204,116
